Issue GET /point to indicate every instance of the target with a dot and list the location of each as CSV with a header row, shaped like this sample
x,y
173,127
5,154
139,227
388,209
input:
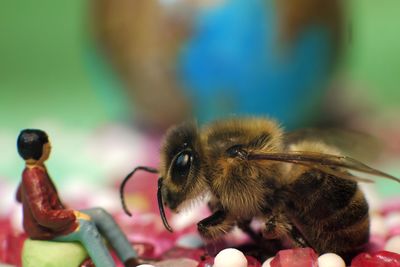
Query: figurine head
x,y
33,146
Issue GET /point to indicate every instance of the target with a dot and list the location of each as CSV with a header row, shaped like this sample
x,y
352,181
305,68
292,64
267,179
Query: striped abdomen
x,y
330,212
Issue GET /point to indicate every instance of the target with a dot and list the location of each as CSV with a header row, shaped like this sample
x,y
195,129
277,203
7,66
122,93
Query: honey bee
x,y
303,192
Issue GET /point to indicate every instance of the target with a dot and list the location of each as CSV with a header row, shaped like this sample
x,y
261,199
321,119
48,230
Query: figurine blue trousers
x,y
90,235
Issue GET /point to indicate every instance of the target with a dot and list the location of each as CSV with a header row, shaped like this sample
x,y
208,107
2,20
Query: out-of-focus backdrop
x,y
106,78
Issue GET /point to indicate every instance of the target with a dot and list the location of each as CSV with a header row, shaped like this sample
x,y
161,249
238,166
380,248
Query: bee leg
x,y
275,228
214,204
268,246
245,227
297,237
215,225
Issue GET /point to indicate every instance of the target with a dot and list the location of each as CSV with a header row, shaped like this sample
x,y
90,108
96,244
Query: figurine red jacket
x,y
45,217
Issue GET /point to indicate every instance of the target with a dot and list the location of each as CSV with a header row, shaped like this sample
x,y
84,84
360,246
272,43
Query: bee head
x,y
181,165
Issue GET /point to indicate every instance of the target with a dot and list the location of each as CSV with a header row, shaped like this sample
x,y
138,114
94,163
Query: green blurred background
x,y
373,56
42,68
45,50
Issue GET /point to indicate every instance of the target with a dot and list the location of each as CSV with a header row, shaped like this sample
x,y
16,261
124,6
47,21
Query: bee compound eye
x,y
183,160
181,166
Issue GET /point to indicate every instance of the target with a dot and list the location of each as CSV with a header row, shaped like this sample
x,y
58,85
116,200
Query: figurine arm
x,y
18,195
39,204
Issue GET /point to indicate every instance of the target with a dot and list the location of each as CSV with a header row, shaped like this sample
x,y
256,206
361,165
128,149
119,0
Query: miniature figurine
x,y
46,218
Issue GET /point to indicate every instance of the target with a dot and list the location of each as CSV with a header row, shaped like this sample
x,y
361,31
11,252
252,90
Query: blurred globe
x,y
221,57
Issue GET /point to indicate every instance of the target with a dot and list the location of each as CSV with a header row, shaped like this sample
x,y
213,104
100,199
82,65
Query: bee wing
x,y
324,163
354,143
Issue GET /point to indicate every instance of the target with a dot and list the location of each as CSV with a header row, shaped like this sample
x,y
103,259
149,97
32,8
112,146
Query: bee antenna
x,y
161,206
122,187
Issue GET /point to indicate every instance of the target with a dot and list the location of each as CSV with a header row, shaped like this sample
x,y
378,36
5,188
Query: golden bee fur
x,y
302,191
